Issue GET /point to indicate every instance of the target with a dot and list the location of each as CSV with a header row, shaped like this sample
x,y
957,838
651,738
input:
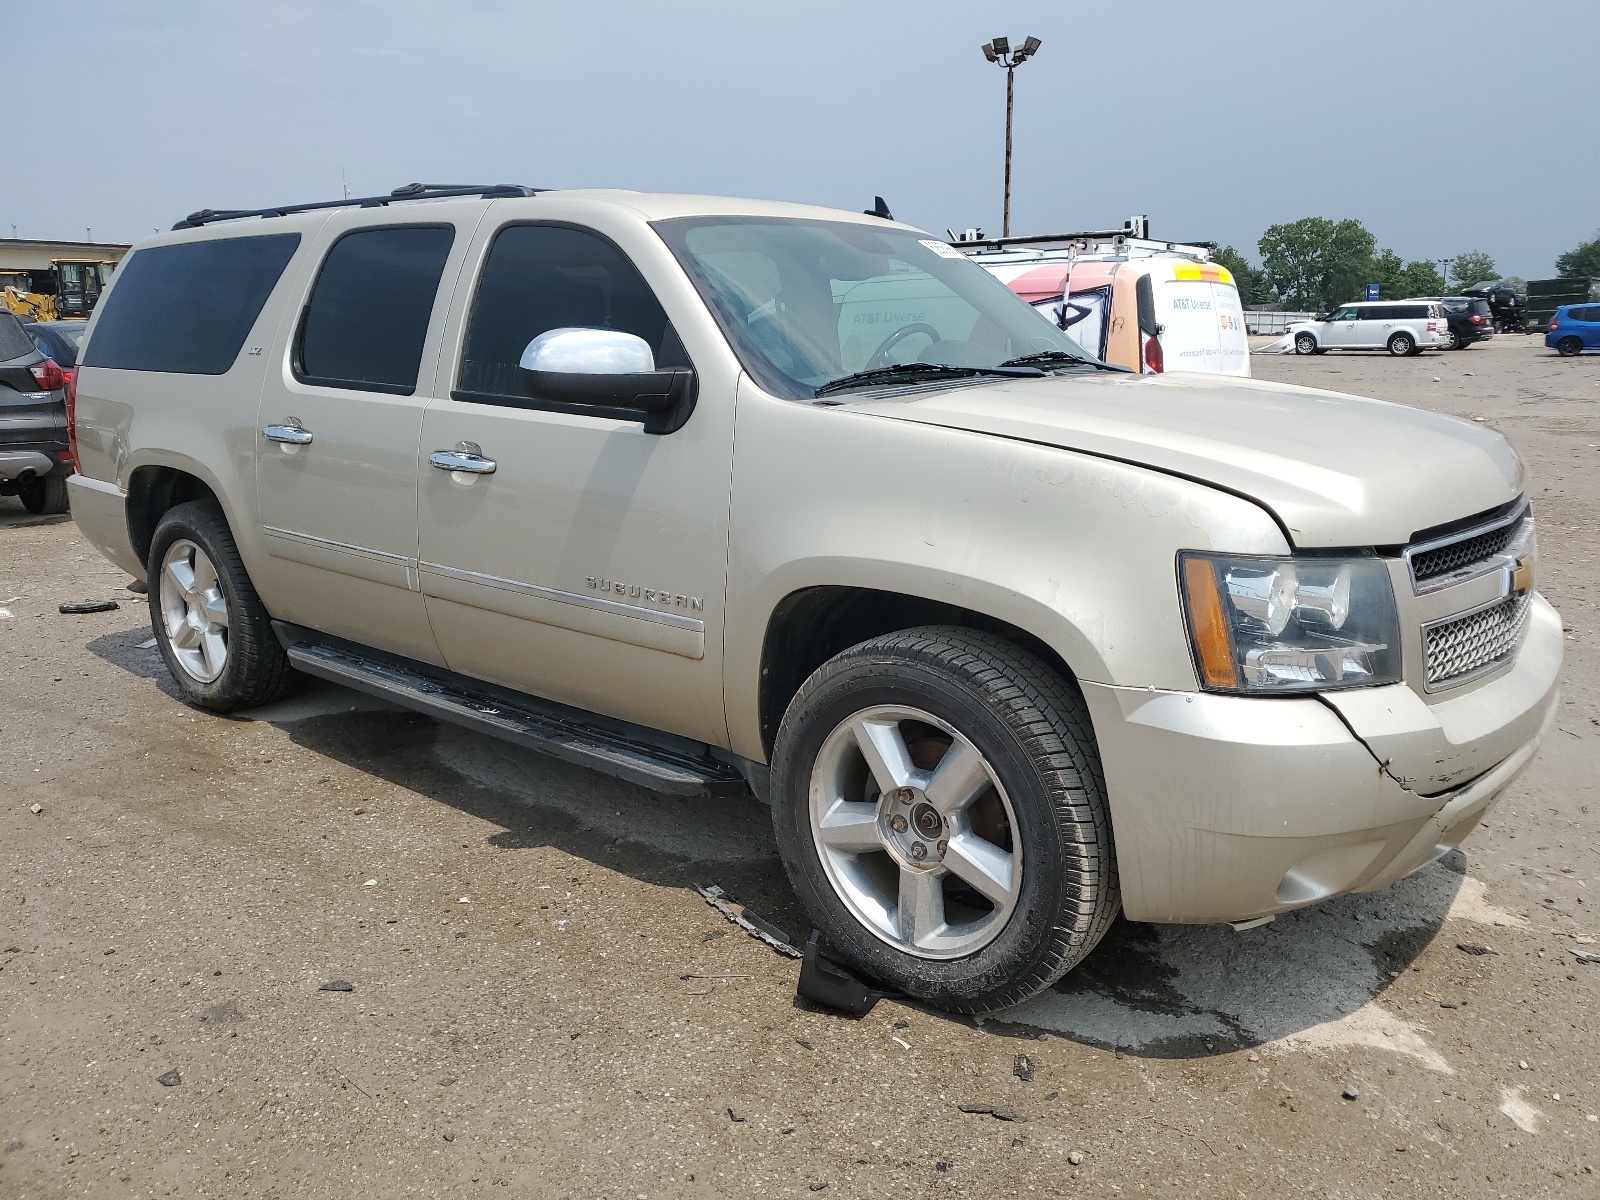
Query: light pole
x,y
1445,263
999,51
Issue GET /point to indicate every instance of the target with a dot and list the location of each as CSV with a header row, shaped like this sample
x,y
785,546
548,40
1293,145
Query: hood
x,y
1336,470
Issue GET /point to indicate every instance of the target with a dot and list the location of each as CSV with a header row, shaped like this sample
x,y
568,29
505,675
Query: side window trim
x,y
498,400
297,339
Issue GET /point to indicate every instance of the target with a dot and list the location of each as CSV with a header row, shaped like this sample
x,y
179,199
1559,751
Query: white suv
x,y
1400,327
714,494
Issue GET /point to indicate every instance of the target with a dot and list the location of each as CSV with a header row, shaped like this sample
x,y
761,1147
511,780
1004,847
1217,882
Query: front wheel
x,y
1304,343
1568,347
939,806
47,496
1402,344
210,626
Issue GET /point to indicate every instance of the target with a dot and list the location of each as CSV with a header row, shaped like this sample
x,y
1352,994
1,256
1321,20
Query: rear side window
x,y
368,314
1145,296
14,339
187,308
543,277
1586,314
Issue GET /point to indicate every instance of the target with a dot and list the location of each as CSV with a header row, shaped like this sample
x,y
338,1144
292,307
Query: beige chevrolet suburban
x,y
721,494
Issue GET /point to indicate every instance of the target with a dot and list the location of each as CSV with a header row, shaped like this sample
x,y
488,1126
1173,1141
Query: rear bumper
x,y
17,464
1228,808
100,510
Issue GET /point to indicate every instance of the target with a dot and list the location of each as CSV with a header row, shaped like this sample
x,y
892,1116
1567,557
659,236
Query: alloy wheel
x,y
915,832
194,612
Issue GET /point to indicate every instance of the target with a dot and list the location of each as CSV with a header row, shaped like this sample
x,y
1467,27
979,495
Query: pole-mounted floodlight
x,y
999,51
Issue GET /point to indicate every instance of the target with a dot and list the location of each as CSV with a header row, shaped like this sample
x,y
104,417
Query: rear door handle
x,y
291,431
470,461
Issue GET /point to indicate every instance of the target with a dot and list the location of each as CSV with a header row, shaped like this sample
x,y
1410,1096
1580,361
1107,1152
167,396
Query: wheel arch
x,y
809,624
155,488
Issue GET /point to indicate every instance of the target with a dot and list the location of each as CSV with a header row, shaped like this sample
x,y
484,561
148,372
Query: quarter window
x,y
187,308
543,277
368,315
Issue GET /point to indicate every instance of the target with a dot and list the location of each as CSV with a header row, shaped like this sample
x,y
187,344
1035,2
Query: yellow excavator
x,y
68,290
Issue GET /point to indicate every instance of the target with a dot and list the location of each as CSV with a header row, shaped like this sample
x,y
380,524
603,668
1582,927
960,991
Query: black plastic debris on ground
x,y
1474,948
337,985
990,1110
72,607
826,981
170,1079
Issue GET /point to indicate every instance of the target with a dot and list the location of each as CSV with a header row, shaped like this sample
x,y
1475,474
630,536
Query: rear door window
x,y
367,318
187,308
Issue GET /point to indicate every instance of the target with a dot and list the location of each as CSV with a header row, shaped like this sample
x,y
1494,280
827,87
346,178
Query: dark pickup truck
x,y
35,457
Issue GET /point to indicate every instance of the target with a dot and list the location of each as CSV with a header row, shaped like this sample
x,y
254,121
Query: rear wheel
x,y
1304,343
47,496
1452,340
212,630
1402,344
938,803
1567,347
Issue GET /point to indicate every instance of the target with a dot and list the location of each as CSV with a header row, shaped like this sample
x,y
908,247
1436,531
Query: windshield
x,y
806,303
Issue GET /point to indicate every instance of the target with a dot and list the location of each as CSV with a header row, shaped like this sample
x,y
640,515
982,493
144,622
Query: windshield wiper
x,y
1059,358
914,372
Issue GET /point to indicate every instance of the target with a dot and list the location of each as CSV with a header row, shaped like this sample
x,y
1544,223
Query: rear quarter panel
x,y
203,425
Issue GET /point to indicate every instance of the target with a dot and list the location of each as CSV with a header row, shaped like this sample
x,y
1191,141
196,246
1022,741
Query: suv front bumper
x,y
1227,808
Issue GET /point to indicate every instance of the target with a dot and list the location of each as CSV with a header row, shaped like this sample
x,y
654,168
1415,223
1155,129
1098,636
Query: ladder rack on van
x,y
1099,244
410,191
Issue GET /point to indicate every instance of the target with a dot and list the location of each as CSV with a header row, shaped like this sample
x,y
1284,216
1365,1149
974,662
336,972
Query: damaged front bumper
x,y
1228,808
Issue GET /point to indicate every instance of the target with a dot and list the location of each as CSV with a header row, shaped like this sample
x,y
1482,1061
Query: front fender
x,y
1079,551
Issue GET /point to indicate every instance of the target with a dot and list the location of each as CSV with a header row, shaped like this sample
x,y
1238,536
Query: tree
x,y
1473,266
1251,281
1421,278
1581,260
1315,263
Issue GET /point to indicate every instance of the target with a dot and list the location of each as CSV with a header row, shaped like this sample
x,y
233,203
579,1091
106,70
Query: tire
x,y
1305,343
1569,347
1452,341
47,496
225,656
943,691
1402,344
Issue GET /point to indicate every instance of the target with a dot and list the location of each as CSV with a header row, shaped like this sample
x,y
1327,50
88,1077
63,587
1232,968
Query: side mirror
x,y
606,369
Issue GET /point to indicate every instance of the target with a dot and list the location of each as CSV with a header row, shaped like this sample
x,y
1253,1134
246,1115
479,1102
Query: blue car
x,y
1574,329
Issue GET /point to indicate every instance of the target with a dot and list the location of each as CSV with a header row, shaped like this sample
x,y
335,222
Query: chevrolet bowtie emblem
x,y
1522,576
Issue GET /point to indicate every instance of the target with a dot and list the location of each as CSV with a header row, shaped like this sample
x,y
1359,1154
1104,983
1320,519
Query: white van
x,y
1400,327
1149,306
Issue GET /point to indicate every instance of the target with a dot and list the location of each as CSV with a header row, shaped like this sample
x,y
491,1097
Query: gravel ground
x,y
538,1001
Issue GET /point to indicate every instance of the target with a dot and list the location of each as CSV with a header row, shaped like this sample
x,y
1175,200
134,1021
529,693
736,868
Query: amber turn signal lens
x,y
1209,623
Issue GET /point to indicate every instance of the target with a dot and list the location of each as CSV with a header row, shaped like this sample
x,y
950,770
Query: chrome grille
x,y
1465,645
1469,551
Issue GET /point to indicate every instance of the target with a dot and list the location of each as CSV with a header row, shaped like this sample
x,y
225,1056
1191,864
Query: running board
x,y
661,762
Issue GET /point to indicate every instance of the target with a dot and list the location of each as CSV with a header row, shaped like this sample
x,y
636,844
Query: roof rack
x,y
411,191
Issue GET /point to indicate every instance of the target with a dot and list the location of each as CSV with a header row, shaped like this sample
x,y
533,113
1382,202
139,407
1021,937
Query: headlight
x,y
1274,625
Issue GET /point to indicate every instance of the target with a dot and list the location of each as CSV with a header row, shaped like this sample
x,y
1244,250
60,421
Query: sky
x,y
1441,127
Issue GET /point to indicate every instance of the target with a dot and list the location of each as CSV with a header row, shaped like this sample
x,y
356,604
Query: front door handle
x,y
291,431
462,459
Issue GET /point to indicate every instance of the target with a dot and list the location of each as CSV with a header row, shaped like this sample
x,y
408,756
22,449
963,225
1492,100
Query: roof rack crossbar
x,y
411,191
